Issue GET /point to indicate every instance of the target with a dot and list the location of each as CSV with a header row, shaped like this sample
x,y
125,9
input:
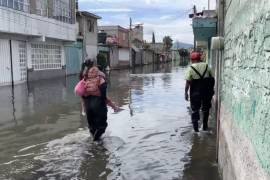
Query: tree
x,y
153,38
184,53
168,43
146,46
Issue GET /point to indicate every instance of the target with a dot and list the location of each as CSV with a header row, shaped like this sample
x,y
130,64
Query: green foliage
x,y
101,60
183,52
168,43
146,46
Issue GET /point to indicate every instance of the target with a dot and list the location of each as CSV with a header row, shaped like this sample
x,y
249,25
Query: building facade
x,y
32,38
119,43
88,31
244,112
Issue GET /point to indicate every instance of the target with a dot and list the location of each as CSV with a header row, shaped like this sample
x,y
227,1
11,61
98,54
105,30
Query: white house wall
x,y
91,51
124,55
114,57
12,21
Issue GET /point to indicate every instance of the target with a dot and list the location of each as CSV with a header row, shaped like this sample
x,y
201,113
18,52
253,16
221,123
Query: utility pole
x,y
195,14
129,42
208,4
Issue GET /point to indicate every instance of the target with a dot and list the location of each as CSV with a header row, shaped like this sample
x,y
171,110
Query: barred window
x,y
46,56
62,10
20,5
42,7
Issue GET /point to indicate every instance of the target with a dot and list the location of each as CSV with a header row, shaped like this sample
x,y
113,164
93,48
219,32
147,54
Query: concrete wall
x,y
46,74
114,57
92,51
123,37
121,33
245,91
90,37
17,22
137,33
148,57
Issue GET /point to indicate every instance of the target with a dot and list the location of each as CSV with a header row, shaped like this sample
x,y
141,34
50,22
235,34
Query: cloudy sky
x,y
164,17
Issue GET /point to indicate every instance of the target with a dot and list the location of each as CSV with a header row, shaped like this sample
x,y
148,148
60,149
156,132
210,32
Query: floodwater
x,y
43,136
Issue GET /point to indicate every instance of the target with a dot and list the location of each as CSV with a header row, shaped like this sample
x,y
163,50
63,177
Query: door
x,y
5,68
73,55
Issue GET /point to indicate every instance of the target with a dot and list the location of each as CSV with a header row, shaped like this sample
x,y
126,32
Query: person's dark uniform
x,y
96,111
200,83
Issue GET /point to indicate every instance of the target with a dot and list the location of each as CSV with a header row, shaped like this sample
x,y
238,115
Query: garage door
x,y
124,55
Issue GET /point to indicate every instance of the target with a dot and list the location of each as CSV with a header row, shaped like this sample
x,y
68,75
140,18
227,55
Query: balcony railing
x,y
60,11
19,5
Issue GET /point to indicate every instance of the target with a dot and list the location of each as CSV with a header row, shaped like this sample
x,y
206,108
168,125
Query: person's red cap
x,y
195,56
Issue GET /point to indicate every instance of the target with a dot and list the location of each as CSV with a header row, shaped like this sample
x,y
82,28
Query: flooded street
x,y
43,135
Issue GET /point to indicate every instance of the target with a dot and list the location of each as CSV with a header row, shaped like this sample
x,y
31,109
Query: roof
x,y
113,27
88,14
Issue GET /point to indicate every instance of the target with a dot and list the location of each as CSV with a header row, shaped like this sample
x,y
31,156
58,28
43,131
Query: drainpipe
x,y
11,64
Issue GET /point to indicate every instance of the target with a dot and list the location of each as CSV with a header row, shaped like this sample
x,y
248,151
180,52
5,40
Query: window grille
x,y
62,10
46,56
23,60
20,5
42,7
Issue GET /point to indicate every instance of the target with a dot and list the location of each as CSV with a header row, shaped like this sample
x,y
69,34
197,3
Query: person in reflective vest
x,y
199,89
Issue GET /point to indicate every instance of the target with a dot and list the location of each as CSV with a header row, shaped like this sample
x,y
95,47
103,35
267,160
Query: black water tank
x,y
102,36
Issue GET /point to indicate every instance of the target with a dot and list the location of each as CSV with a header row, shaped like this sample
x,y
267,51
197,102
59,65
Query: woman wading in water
x,y
95,101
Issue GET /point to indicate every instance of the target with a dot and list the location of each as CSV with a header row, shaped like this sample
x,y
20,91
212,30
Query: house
x,y
137,42
32,38
88,30
159,50
204,26
118,43
86,45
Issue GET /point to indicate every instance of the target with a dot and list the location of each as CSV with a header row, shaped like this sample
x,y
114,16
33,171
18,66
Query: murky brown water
x,y
43,136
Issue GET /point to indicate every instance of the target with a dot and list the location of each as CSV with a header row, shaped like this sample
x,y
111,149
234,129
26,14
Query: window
x,y
61,10
91,25
46,56
42,7
23,60
20,5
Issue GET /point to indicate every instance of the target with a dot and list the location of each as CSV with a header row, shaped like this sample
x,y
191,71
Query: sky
x,y
164,17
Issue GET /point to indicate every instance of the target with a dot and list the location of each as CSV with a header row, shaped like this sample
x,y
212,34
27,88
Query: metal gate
x,y
5,67
23,60
73,54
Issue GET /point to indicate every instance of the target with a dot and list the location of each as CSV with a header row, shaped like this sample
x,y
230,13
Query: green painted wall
x,y
73,56
246,72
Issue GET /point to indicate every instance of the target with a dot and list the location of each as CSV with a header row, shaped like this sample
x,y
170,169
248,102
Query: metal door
x,y
73,54
5,67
